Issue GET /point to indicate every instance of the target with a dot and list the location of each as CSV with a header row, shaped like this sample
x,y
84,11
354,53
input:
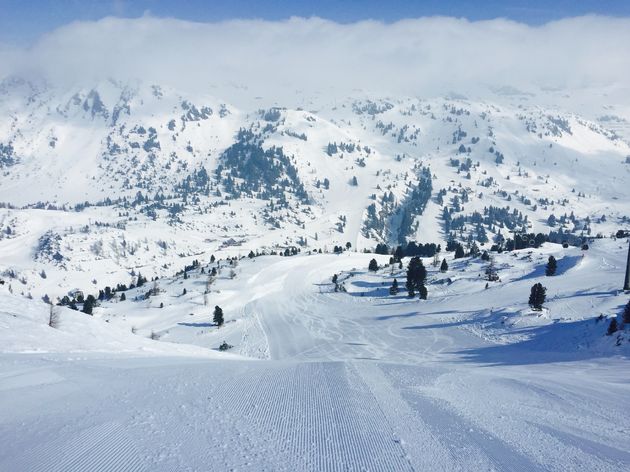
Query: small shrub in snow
x,y
225,346
613,327
393,290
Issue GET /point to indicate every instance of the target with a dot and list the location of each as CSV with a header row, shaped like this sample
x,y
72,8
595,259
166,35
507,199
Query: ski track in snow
x,y
370,384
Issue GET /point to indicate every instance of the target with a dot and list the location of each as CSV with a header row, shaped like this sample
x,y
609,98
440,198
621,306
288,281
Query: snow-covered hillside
x,y
354,379
128,212
138,175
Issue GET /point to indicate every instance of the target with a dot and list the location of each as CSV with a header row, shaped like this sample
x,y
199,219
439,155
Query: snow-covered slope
x,y
182,202
135,175
358,379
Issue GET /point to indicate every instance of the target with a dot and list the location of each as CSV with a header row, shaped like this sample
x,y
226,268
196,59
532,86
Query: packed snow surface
x,y
470,379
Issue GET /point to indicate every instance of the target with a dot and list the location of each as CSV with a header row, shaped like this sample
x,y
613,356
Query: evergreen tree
x,y
373,265
626,314
491,272
218,316
537,296
184,291
423,292
416,276
88,304
552,265
444,266
398,254
459,251
393,290
123,297
141,280
613,327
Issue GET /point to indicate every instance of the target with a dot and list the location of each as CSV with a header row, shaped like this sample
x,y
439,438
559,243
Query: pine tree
x,y
123,297
218,316
552,265
537,296
626,314
410,290
423,292
416,276
373,265
613,327
393,290
459,251
184,291
491,272
398,254
88,304
444,266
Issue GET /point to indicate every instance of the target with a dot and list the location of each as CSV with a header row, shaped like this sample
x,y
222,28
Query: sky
x,y
23,21
385,47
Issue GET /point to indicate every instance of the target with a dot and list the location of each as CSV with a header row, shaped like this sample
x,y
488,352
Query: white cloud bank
x,y
416,56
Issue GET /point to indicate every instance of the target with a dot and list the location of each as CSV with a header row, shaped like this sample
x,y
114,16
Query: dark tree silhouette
x,y
626,314
552,266
537,296
218,316
393,290
416,276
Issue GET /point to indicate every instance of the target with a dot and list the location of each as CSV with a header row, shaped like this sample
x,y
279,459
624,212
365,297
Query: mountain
x,y
163,205
137,163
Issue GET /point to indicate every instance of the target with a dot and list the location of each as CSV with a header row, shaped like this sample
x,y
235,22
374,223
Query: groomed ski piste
x,y
469,379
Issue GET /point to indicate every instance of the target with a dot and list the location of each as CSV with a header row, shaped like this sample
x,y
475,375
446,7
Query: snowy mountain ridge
x,y
162,207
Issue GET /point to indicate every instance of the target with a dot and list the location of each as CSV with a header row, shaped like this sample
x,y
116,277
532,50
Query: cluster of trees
x,y
492,217
415,204
410,249
247,168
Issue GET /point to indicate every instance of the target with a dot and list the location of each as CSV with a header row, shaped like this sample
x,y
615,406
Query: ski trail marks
x,y
103,447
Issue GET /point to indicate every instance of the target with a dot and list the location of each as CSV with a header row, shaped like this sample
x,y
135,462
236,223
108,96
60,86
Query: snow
x,y
469,379
324,380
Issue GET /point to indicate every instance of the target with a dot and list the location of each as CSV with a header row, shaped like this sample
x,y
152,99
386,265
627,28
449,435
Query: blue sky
x,y
25,20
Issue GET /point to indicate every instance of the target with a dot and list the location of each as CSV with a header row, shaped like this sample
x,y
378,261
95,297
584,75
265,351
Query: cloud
x,y
422,56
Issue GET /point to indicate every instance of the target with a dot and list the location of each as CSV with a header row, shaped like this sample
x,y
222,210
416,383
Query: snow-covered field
x,y
470,379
